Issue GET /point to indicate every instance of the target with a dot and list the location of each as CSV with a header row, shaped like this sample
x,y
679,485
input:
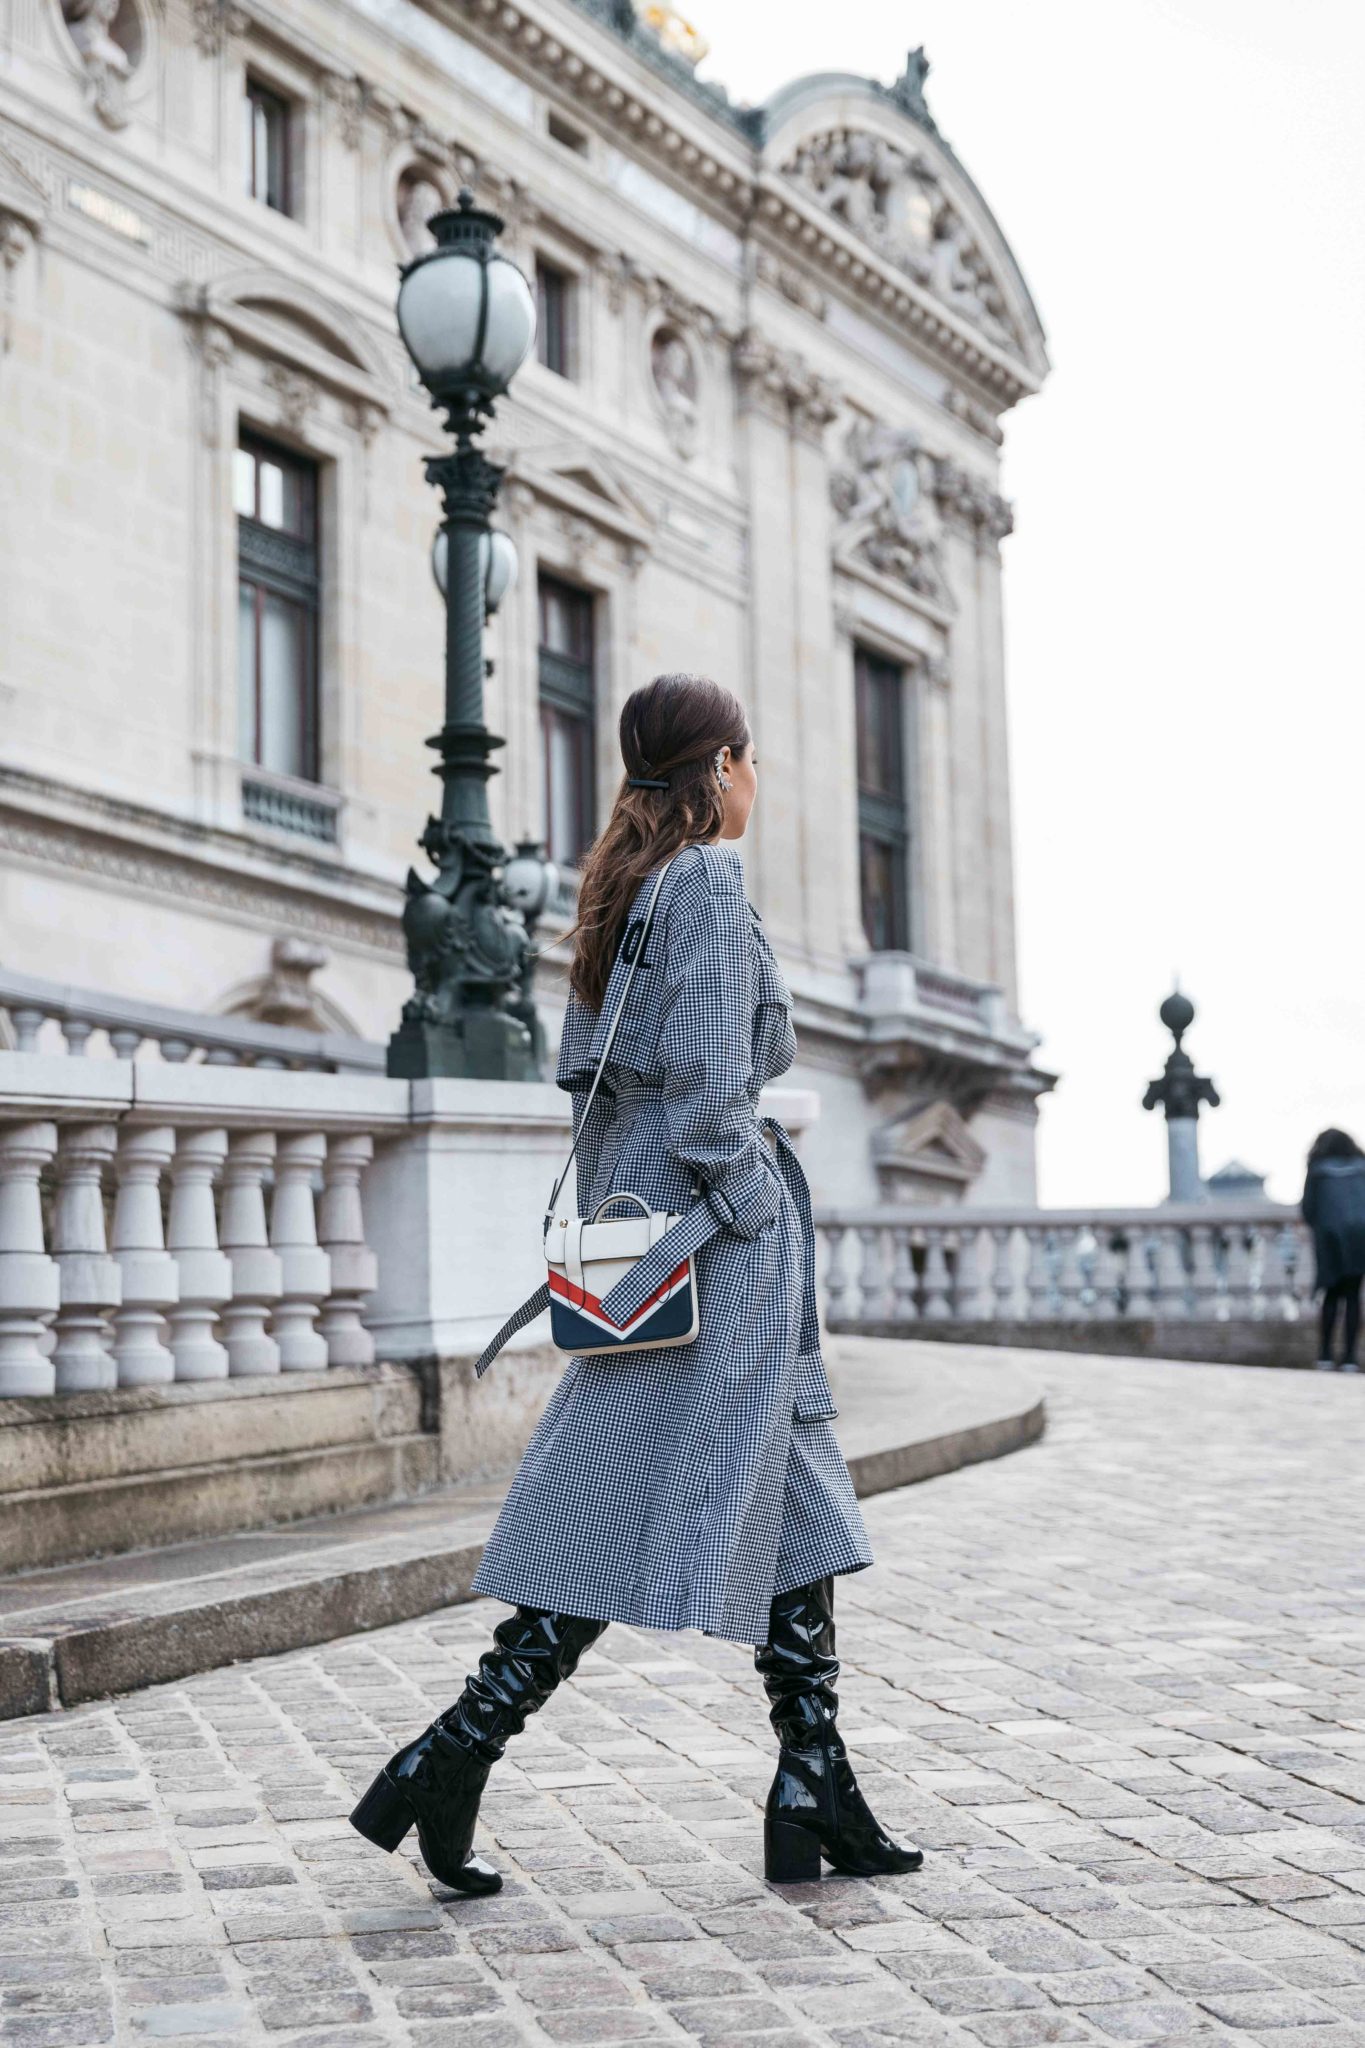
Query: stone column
x,y
765,464
1180,1093
824,726
92,1283
30,1282
151,1284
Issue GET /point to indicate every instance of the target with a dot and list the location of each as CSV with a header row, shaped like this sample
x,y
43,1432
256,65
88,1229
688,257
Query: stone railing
x,y
163,1222
50,1016
169,1221
890,1268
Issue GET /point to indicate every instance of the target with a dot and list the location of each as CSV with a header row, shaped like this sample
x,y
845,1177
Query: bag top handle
x,y
611,1032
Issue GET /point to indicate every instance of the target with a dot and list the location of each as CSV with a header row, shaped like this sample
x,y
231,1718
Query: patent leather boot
x,y
435,1784
815,1808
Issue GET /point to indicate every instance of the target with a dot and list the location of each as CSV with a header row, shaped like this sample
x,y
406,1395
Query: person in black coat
x,y
1334,1209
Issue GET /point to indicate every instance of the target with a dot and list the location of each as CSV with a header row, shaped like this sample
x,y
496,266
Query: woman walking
x,y
1334,1209
697,1485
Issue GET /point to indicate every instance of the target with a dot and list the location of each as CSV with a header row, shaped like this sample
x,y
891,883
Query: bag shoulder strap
x,y
611,1030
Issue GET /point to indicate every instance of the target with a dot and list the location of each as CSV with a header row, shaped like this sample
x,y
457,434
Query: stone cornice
x,y
720,172
150,853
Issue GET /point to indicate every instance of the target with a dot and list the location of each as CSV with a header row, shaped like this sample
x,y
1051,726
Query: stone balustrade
x,y
170,1222
891,1268
48,1016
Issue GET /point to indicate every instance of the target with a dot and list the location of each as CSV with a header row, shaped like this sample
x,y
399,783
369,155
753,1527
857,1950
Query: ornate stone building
x,y
761,439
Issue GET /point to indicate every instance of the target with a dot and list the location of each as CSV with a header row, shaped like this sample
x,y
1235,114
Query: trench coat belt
x,y
701,1223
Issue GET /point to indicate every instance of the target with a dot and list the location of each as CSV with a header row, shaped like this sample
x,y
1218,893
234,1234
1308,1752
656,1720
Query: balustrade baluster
x,y
1038,1279
1280,1305
1002,1271
903,1303
873,1300
341,1233
27,1024
967,1292
1137,1277
1207,1299
76,1032
30,1282
175,1051
1107,1270
151,1284
205,1272
1169,1296
836,1279
1069,1277
256,1276
92,1282
936,1302
1241,1296
125,1041
305,1269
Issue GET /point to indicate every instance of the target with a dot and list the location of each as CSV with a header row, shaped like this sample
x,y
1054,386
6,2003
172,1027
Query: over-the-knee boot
x,y
435,1784
815,1807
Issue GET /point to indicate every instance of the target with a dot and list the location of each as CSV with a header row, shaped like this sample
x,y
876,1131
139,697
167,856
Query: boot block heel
x,y
791,1854
383,1815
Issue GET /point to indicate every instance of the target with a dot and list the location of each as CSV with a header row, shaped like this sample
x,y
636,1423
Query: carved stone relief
x,y
108,38
420,195
897,202
673,369
784,383
882,491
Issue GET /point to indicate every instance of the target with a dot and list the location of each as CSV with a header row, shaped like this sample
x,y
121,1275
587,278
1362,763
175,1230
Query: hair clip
x,y
646,782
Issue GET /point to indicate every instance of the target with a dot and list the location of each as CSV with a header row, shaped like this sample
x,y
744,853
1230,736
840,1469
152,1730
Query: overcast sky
x,y
1182,183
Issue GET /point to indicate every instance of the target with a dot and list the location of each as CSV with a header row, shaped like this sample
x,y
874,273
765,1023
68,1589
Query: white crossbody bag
x,y
587,1256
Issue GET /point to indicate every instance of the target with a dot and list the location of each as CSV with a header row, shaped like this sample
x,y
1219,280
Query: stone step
x,y
82,1475
82,1631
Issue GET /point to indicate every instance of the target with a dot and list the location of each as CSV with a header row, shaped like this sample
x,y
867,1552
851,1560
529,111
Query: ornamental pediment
x,y
934,1141
899,201
582,483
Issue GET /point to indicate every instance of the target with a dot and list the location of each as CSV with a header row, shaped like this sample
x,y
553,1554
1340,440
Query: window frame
x,y
273,561
257,91
881,684
565,321
567,700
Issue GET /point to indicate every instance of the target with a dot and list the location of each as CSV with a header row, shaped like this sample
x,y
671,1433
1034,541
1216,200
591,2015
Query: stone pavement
x,y
1115,1684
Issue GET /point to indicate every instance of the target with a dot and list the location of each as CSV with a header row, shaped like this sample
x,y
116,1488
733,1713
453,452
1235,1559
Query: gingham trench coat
x,y
682,1487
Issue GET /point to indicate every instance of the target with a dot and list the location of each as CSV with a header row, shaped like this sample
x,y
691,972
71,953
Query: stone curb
x,y
62,1661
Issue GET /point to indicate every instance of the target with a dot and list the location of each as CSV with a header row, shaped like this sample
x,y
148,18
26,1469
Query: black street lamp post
x,y
467,318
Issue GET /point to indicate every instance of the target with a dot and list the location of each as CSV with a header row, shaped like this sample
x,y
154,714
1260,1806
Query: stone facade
x,y
791,333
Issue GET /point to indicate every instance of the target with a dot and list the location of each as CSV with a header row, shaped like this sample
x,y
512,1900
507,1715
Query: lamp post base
x,y
485,1045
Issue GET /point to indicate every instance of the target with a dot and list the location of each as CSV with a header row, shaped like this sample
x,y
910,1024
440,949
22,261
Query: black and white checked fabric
x,y
682,1488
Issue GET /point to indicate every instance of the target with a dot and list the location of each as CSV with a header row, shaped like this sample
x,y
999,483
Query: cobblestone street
x,y
1114,1684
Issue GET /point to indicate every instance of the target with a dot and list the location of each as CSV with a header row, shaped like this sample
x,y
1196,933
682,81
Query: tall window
x,y
567,720
276,495
554,300
883,815
269,120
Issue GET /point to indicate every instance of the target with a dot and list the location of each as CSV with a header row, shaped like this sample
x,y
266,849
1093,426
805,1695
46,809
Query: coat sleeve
x,y
706,1050
1308,1207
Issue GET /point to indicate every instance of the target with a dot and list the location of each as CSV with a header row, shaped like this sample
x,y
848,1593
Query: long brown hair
x,y
671,730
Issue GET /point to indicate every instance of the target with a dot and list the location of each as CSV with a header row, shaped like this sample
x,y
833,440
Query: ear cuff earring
x,y
722,778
